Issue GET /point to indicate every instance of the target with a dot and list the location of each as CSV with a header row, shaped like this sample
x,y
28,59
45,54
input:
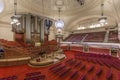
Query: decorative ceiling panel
x,y
72,12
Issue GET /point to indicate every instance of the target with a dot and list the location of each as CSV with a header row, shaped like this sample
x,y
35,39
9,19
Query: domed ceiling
x,y
72,13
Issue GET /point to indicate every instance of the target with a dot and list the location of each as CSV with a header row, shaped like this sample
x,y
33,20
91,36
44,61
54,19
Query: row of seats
x,y
34,76
72,67
47,47
29,76
98,58
75,37
90,69
113,36
88,37
9,78
7,43
93,37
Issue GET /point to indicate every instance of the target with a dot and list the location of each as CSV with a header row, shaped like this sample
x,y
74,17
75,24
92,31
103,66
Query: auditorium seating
x,y
64,72
78,64
91,68
109,74
34,76
73,74
119,76
75,37
89,37
99,58
99,71
82,77
94,37
79,67
47,47
113,37
9,78
9,44
55,66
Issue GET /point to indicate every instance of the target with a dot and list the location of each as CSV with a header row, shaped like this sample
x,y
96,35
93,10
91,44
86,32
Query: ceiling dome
x,y
67,5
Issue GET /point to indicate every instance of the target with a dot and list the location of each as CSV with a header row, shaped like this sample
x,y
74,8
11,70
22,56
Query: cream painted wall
x,y
51,34
6,33
66,34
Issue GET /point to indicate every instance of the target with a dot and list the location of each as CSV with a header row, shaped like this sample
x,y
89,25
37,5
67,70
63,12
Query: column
x,y
28,29
42,31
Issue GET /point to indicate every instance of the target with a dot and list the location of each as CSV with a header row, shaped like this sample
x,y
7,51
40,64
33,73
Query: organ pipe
x,y
33,27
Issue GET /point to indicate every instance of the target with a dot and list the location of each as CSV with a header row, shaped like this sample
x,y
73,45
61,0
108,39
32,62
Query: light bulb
x,y
12,22
15,20
18,23
106,23
102,20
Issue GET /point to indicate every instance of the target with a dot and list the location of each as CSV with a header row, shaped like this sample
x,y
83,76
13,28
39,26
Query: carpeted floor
x,y
21,71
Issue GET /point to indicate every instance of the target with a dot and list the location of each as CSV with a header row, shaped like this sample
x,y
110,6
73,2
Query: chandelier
x,y
59,23
103,18
15,17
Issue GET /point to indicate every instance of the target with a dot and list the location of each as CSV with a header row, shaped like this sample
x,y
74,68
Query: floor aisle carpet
x,y
20,71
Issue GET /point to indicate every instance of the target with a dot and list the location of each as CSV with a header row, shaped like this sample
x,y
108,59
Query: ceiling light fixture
x,y
15,17
59,23
103,18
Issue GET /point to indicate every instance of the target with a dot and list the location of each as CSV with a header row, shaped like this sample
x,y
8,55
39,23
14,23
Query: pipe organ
x,y
32,28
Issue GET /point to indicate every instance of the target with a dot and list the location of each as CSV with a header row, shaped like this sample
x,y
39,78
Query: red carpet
x,y
21,71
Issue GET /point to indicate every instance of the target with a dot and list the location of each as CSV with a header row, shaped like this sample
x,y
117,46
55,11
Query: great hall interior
x,y
59,40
